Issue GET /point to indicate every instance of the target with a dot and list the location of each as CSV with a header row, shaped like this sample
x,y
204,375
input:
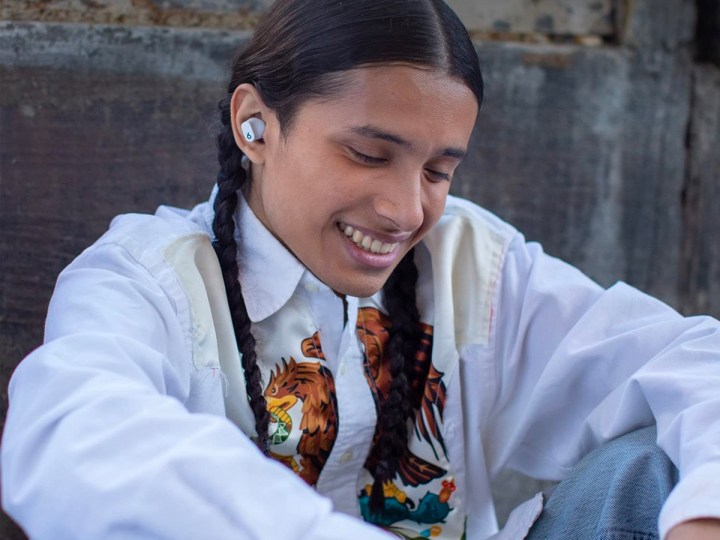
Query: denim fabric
x,y
614,493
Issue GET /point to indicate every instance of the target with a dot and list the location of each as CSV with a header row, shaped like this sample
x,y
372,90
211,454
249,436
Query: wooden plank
x,y
230,14
664,25
78,148
545,107
557,17
700,271
195,54
560,17
94,121
708,31
583,149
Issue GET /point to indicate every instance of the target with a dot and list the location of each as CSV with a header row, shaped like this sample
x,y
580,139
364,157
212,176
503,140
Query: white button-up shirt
x,y
132,419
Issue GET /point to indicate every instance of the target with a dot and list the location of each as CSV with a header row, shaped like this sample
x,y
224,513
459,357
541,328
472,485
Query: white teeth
x,y
367,242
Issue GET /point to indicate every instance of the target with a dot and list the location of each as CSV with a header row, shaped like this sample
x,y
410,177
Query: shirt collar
x,y
269,273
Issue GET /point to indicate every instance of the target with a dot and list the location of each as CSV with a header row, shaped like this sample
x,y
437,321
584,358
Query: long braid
x,y
230,179
395,411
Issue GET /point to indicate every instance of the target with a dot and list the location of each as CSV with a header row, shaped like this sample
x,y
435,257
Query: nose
x,y
399,201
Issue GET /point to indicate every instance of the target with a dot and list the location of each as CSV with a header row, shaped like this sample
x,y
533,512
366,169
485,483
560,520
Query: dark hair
x,y
296,54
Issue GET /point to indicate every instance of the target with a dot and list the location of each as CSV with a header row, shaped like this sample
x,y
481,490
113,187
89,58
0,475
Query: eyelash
x,y
372,160
439,175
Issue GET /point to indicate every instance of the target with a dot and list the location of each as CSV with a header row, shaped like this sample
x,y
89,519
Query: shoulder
x,y
466,226
158,264
145,235
467,250
149,250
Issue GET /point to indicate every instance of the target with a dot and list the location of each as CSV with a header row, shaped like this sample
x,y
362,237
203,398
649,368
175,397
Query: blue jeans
x,y
614,493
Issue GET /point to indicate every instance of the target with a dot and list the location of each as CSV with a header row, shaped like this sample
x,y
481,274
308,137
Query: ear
x,y
247,103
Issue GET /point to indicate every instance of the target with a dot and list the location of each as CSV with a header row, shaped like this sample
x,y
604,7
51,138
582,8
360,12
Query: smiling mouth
x,y
366,242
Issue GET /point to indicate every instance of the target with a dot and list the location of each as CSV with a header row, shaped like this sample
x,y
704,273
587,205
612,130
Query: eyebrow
x,y
373,132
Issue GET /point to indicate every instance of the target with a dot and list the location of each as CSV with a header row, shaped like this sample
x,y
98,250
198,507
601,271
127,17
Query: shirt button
x,y
311,287
346,457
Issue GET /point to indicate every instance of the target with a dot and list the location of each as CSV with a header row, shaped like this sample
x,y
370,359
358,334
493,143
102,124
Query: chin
x,y
363,292
360,288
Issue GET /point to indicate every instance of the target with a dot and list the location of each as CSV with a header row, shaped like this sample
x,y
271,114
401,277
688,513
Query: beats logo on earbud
x,y
252,129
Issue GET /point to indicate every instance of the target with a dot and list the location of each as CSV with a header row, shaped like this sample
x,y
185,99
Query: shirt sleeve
x,y
98,442
577,365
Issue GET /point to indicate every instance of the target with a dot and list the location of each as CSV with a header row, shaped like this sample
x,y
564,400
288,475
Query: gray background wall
x,y
600,137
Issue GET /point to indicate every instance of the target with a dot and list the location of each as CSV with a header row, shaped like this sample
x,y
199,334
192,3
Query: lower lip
x,y
367,258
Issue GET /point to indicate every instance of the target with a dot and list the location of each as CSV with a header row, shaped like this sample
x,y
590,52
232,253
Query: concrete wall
x,y
599,136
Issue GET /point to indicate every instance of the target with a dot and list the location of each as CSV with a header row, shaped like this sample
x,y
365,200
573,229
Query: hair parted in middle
x,y
298,53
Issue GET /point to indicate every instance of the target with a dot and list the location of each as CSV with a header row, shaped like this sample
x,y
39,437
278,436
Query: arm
x,y
98,442
578,365
699,529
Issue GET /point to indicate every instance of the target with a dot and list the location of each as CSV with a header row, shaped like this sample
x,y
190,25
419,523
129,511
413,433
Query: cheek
x,y
316,192
297,175
435,204
282,187
298,205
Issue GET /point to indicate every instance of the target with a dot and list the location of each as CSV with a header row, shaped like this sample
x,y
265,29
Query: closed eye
x,y
364,158
437,175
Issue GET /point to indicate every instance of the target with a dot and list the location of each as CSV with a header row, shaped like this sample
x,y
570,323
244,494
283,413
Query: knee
x,y
637,454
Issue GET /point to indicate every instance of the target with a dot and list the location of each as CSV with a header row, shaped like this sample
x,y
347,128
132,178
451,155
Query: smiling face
x,y
360,177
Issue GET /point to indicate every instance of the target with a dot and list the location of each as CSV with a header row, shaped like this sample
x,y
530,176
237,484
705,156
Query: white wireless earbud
x,y
252,129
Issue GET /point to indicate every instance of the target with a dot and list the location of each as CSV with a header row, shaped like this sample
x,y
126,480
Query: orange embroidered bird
x,y
313,385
